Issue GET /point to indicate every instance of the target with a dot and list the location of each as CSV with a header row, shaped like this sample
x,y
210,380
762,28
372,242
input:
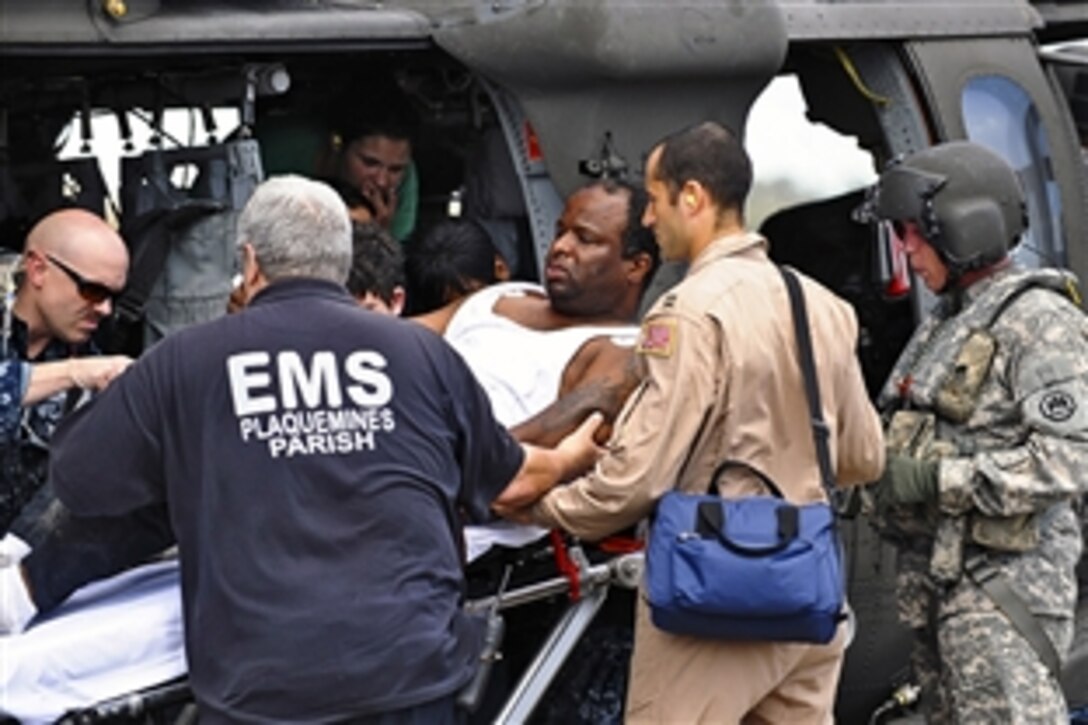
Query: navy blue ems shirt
x,y
313,456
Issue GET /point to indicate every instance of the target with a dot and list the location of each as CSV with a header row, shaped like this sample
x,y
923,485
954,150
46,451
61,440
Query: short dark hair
x,y
388,126
636,238
454,258
386,114
710,154
377,262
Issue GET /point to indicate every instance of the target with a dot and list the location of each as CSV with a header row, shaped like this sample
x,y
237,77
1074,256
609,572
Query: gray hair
x,y
298,228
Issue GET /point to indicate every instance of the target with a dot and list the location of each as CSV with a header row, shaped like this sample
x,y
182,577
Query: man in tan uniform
x,y
722,380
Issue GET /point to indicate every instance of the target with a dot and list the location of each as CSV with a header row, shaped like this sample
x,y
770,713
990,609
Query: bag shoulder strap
x,y
820,432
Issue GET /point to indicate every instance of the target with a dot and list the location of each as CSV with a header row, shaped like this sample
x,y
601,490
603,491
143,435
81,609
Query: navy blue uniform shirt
x,y
314,457
25,432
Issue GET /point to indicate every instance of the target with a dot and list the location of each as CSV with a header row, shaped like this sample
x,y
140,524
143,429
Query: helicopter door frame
x,y
543,203
946,68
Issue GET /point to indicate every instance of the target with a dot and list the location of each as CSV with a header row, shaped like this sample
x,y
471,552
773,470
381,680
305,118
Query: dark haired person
x,y
721,380
376,279
451,261
372,153
988,444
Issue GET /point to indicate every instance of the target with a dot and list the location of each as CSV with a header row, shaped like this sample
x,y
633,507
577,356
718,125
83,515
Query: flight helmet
x,y
965,198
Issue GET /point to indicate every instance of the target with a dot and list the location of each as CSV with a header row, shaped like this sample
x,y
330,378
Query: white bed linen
x,y
110,638
125,634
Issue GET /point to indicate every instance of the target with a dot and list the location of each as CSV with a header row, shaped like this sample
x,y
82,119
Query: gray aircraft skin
x,y
570,89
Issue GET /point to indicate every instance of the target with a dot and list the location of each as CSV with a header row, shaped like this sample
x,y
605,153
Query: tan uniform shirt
x,y
723,381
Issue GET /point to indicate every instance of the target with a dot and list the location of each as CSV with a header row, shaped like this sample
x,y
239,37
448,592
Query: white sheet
x,y
110,638
480,539
125,634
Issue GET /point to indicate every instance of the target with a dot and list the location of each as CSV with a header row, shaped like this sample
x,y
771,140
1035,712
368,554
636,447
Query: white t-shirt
x,y
520,368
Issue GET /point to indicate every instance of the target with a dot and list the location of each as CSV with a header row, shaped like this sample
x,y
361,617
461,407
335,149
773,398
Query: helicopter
x,y
517,103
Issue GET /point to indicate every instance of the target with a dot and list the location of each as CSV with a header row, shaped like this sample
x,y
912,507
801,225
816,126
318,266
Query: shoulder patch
x,y
657,338
1059,410
1057,406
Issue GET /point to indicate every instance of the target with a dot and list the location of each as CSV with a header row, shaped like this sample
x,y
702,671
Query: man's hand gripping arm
x,y
543,468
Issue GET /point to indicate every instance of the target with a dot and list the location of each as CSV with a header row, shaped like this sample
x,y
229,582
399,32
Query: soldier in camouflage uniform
x,y
986,417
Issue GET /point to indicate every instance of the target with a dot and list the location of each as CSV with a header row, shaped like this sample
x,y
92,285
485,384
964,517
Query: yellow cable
x,y
855,77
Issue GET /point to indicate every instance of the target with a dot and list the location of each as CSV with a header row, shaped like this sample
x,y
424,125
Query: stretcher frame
x,y
591,586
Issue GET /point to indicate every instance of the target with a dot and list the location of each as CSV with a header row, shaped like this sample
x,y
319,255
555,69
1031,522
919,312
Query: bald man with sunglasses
x,y
73,265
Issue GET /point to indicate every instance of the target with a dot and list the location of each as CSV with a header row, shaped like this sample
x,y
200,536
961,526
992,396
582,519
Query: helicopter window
x,y
999,114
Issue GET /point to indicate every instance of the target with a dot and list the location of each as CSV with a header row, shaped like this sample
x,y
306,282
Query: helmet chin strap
x,y
952,278
962,277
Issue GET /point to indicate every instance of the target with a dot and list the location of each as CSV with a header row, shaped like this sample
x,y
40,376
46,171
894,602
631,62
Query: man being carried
x,y
572,339
549,355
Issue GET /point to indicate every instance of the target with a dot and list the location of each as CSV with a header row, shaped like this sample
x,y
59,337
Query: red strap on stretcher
x,y
566,565
621,545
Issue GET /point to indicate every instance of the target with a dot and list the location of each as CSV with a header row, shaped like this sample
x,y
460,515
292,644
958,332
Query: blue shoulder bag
x,y
754,568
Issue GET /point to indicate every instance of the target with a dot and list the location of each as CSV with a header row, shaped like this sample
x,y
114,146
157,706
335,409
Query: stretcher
x,y
119,635
115,650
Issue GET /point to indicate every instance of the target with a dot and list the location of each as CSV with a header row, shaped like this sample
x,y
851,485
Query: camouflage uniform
x,y
994,384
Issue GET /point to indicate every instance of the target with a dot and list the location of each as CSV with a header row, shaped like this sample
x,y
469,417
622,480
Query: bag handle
x,y
710,523
820,432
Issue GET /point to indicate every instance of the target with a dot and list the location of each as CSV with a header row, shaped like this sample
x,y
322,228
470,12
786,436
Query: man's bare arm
x,y
543,468
92,373
598,378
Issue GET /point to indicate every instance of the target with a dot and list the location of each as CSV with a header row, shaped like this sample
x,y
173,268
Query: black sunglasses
x,y
93,292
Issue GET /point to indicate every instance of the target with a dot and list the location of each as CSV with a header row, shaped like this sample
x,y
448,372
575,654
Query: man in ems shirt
x,y
316,460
